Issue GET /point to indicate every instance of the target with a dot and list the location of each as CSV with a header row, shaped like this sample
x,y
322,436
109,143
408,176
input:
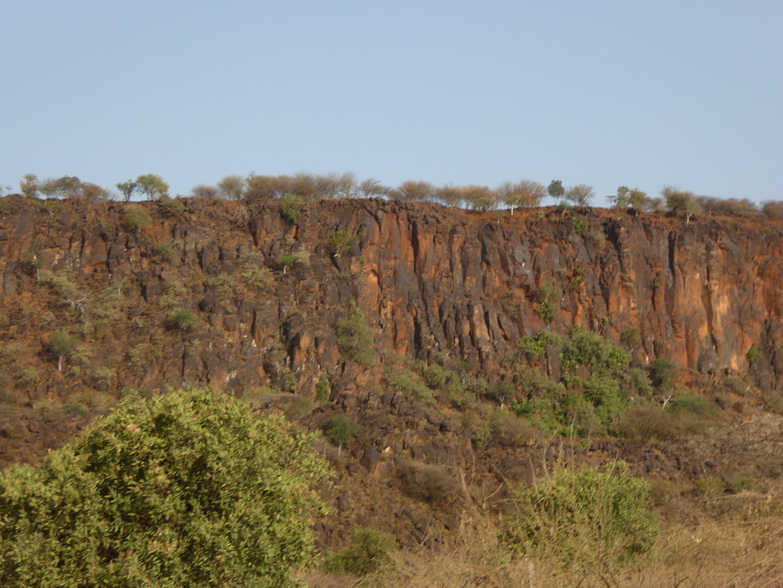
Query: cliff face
x,y
429,279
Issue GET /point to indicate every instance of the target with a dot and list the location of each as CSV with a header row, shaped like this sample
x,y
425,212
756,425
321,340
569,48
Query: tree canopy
x,y
187,488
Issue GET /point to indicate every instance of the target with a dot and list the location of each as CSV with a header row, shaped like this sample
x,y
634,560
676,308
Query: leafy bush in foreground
x,y
369,550
190,488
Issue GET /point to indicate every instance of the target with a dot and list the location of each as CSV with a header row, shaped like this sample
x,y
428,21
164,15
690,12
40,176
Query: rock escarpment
x,y
429,279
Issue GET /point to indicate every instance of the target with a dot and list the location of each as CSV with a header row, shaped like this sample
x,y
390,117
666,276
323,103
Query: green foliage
x,y
548,296
171,207
663,373
136,219
754,355
224,286
369,550
127,189
693,404
292,207
341,430
342,241
409,383
167,251
584,518
152,185
323,390
581,224
61,344
502,391
190,488
29,378
295,259
68,294
631,338
182,319
354,336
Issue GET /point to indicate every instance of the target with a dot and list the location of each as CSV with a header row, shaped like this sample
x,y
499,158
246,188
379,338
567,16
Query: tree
x,y
29,185
61,344
580,195
153,186
187,488
64,187
681,201
523,193
204,192
419,191
127,189
556,190
371,187
480,197
93,192
628,198
232,187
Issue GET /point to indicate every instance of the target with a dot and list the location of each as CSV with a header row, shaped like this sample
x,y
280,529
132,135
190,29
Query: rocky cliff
x,y
430,280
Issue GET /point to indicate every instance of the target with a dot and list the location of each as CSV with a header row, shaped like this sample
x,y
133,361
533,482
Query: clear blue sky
x,y
687,93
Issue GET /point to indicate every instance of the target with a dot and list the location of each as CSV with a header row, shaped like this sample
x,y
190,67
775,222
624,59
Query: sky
x,y
683,93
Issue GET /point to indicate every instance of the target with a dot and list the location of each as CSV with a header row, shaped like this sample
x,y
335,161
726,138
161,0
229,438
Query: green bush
x,y
171,207
292,207
354,336
584,517
663,373
342,241
166,250
295,259
189,488
136,219
341,430
183,319
323,390
408,382
693,404
368,551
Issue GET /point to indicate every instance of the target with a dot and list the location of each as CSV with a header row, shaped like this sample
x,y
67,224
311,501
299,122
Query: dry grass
x,y
744,547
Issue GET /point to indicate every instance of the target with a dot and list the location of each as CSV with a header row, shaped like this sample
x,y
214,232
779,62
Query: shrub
x,y
182,319
257,277
429,482
171,207
189,488
692,403
342,241
166,250
224,286
295,259
502,391
323,390
584,517
61,344
663,373
354,336
754,355
548,296
368,551
136,219
298,407
408,383
646,422
510,430
292,207
341,430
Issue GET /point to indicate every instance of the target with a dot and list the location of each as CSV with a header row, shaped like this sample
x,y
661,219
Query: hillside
x,y
353,305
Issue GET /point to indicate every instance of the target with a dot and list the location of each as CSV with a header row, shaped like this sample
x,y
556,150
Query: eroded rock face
x,y
429,279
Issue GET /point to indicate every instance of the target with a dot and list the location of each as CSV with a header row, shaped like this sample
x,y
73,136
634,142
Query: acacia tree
x,y
64,187
127,189
232,187
556,190
152,185
29,185
681,201
525,193
61,344
580,195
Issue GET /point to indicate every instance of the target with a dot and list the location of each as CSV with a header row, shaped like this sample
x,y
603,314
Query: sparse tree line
x,y
508,195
